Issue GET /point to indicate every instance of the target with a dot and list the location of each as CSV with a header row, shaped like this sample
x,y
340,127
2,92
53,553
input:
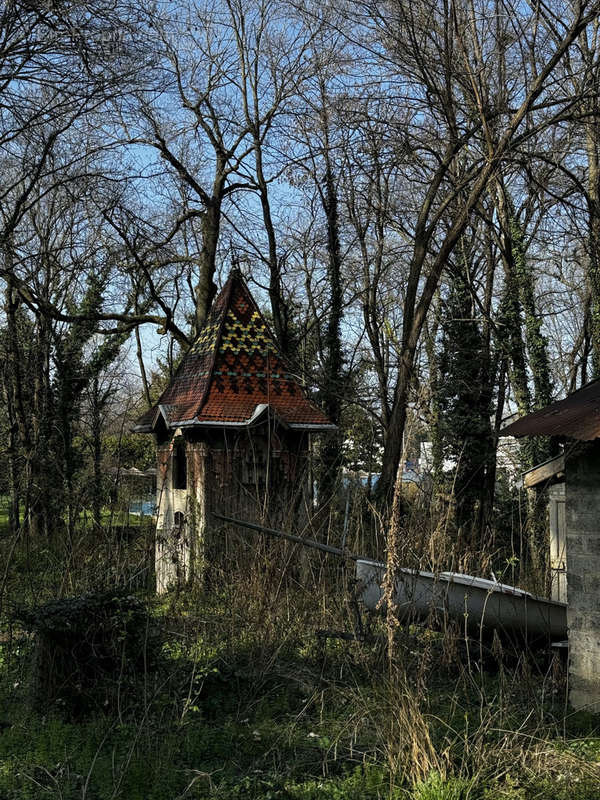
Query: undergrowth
x,y
240,697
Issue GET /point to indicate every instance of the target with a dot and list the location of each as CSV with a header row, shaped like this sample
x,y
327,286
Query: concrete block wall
x,y
582,472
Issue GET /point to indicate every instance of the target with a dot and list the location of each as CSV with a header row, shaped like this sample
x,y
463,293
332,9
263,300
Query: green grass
x,y
231,739
251,718
116,518
244,701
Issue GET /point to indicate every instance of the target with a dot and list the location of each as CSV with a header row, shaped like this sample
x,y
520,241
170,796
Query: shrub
x,y
89,650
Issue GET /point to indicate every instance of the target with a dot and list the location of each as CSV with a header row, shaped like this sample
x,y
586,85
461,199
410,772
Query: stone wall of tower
x,y
257,476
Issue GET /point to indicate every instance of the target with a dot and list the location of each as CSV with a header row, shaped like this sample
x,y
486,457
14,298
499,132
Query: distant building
x,y
507,459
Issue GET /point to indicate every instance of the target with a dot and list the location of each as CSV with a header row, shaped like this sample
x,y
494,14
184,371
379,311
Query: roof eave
x,y
313,427
142,429
248,423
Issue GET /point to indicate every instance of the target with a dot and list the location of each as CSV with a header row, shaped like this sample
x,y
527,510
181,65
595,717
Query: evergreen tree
x,y
462,406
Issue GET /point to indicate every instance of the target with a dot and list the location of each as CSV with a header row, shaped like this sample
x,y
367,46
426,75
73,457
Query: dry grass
x,y
437,718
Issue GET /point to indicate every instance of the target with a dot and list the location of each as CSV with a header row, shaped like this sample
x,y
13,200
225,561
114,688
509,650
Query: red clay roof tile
x,y
232,367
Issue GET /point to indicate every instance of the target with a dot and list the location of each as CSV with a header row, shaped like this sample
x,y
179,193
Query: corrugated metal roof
x,y
576,417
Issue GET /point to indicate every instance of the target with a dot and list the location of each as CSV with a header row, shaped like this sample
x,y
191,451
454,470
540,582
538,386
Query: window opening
x,y
179,466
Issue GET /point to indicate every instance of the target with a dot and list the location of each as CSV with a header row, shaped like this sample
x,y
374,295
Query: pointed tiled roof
x,y
233,372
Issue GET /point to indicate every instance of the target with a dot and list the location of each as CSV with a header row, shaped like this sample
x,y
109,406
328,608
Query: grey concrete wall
x,y
582,472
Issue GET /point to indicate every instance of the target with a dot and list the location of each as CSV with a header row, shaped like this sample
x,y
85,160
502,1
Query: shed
x,y
575,420
232,430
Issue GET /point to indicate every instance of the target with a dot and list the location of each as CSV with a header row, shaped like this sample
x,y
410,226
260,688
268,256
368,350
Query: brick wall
x,y
256,479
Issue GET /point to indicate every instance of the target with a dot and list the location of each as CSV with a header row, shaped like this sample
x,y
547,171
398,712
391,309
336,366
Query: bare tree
x,y
445,55
273,67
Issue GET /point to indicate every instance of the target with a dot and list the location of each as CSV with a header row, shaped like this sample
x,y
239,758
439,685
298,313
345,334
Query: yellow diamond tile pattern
x,y
252,336
206,340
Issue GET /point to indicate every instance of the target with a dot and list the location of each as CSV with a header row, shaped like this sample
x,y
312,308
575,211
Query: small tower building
x,y
232,432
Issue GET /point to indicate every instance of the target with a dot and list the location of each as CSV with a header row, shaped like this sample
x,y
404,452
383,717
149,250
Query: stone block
x,y
574,581
592,544
584,695
582,619
575,544
591,589
583,521
582,514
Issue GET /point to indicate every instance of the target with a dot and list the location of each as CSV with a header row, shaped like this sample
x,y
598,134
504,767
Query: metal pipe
x,y
326,548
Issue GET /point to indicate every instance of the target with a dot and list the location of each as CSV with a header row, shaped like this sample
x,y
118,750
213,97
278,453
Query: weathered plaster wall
x,y
173,544
197,510
558,542
583,576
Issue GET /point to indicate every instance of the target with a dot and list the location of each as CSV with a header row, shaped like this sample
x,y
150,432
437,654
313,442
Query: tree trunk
x,y
205,287
96,454
593,201
279,308
14,510
21,423
142,366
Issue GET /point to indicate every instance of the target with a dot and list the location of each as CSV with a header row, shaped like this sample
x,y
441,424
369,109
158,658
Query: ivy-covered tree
x,y
520,336
79,361
524,347
463,406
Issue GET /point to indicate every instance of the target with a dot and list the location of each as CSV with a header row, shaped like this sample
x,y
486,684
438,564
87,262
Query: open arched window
x,y
179,466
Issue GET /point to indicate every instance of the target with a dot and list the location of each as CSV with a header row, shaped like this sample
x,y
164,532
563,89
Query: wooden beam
x,y
544,472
